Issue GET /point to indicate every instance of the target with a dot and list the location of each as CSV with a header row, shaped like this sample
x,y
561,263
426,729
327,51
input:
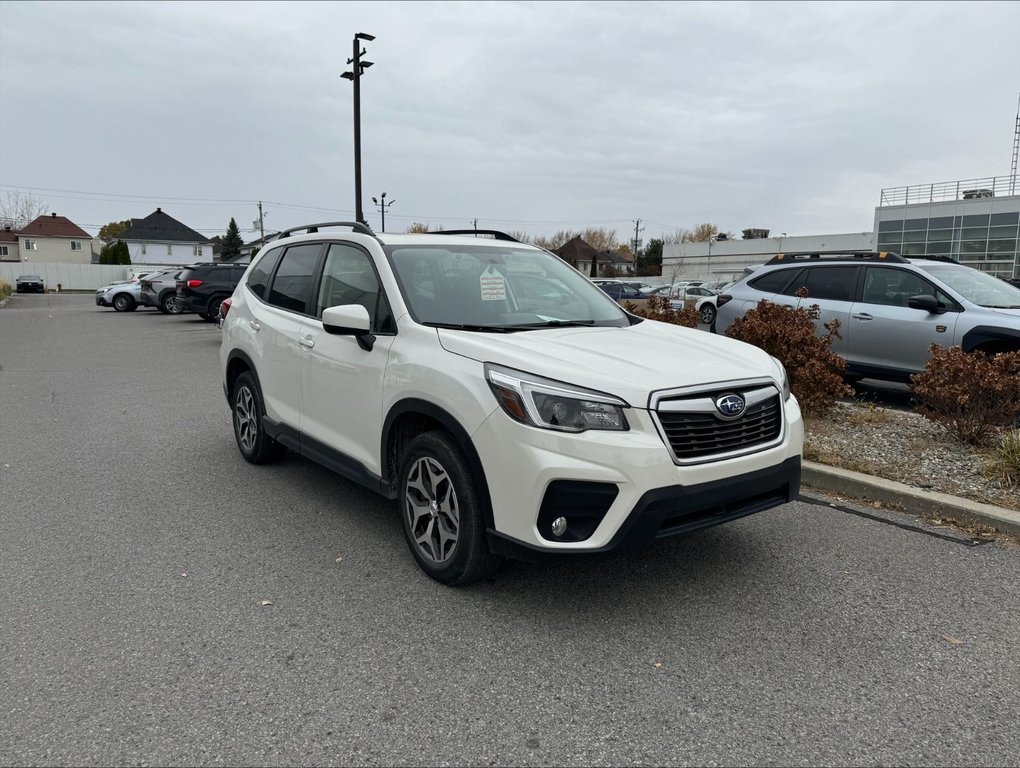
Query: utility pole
x,y
382,205
475,222
262,226
355,75
637,239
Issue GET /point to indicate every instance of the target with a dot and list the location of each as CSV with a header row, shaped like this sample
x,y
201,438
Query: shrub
x,y
1004,461
970,394
788,333
5,289
660,309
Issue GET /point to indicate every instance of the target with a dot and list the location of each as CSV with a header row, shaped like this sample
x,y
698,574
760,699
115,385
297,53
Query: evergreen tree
x,y
121,253
232,242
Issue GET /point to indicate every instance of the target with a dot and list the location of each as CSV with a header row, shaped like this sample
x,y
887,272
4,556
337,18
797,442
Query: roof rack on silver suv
x,y
310,229
495,234
785,258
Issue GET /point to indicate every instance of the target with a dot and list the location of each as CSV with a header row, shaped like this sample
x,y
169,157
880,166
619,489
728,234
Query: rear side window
x,y
774,282
829,283
292,285
258,280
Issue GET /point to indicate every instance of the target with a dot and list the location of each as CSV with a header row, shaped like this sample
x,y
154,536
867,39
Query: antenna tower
x,y
1016,150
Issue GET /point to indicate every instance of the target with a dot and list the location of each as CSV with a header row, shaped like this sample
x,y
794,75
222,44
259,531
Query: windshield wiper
x,y
557,324
480,328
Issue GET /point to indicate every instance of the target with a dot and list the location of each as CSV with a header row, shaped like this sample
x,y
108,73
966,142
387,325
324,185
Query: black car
x,y
30,284
201,288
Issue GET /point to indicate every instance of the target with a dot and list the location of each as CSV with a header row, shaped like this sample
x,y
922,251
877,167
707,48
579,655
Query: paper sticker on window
x,y
493,285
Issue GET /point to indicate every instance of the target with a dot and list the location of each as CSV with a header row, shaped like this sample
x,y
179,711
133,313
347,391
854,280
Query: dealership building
x,y
975,221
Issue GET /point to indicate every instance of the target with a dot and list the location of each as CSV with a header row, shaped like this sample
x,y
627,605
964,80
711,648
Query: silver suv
x,y
891,309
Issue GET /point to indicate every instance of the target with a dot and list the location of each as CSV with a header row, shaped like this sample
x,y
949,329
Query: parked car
x,y
680,295
621,292
891,309
160,290
420,367
122,296
29,284
202,287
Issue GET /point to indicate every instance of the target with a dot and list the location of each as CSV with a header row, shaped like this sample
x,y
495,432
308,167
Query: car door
x,y
832,288
342,383
275,326
884,332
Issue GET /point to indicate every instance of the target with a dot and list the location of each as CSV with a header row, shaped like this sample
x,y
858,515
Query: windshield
x,y
496,288
977,287
30,277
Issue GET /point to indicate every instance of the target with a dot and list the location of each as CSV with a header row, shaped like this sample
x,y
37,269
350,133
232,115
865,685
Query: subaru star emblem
x,y
730,406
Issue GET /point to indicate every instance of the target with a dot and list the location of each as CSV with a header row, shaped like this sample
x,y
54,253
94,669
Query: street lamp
x,y
355,75
382,205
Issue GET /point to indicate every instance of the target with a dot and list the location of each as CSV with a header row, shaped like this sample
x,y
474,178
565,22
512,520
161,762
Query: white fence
x,y
70,277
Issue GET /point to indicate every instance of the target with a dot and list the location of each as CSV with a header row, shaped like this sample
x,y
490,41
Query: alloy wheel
x,y
246,418
433,513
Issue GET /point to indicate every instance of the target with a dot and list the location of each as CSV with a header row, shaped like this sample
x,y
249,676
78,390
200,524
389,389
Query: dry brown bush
x,y
788,333
658,308
970,394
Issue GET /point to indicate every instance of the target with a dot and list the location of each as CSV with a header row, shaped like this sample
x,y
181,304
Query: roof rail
x,y
783,258
357,226
938,257
496,234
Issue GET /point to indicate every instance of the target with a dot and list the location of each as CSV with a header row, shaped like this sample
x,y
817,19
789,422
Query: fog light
x,y
559,526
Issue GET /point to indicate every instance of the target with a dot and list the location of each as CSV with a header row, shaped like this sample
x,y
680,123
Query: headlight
x,y
551,404
784,377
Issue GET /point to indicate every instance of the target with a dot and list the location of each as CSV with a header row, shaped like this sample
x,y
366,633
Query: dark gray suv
x,y
891,309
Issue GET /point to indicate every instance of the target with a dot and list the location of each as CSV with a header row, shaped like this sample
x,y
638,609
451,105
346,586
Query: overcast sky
x,y
526,116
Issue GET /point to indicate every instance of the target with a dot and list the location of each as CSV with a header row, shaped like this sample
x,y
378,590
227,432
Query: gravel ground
x,y
904,446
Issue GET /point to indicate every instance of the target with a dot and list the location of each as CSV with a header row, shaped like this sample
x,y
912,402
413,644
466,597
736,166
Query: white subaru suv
x,y
509,406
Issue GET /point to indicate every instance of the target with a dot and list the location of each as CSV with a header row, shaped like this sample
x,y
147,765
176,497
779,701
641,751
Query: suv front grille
x,y
695,431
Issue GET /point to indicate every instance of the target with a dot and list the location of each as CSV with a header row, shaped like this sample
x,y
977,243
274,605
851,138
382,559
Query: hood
x,y
1013,313
629,362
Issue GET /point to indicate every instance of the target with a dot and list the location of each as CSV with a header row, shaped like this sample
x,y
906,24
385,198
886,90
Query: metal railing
x,y
966,189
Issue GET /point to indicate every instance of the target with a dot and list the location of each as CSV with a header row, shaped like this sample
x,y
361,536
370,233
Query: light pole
x,y
382,205
355,74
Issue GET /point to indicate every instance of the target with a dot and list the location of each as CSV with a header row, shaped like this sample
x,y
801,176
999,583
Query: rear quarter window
x,y
774,282
258,280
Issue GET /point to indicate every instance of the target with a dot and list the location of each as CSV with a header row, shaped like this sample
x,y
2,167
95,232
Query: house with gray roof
x,y
160,239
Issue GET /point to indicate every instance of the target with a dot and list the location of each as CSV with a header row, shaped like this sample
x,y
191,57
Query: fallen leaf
x,y
184,575
266,602
952,640
339,559
658,664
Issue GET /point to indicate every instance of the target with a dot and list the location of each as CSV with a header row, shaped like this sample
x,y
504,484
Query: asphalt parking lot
x,y
163,602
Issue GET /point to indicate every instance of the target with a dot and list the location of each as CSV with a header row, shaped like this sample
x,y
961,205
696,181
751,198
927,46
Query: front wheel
x,y
707,314
123,303
442,513
249,428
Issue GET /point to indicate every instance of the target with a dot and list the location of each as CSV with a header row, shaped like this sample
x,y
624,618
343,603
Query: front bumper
x,y
101,302
30,288
526,467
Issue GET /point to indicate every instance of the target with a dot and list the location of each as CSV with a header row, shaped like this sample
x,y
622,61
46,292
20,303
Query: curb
x,y
911,499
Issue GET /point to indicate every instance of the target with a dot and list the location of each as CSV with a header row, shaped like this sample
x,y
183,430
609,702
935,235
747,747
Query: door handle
x,y
255,325
862,316
305,341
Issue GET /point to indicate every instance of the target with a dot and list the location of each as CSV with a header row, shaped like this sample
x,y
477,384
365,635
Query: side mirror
x,y
927,303
349,320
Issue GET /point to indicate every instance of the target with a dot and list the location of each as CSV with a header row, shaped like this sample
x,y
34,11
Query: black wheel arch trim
x,y
237,354
454,427
983,334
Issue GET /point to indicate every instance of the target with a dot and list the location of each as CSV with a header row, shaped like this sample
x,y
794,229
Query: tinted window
x,y
349,278
292,286
774,282
258,280
890,226
832,283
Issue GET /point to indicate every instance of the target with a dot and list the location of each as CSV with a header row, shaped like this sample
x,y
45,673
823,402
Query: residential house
x,y
580,255
159,239
53,239
9,250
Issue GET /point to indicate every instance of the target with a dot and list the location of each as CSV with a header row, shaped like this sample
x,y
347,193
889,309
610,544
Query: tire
x,y
247,414
707,314
122,302
169,305
441,512
214,308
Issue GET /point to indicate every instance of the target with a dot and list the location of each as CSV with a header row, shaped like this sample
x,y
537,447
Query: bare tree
x,y
18,209
419,228
556,240
519,234
681,235
704,232
600,239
